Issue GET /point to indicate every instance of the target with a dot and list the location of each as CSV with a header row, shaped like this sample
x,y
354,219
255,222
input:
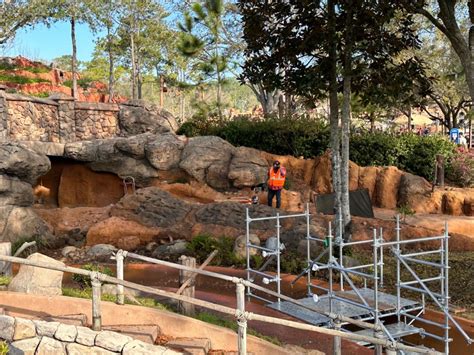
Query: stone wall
x,y
62,119
26,336
96,120
32,120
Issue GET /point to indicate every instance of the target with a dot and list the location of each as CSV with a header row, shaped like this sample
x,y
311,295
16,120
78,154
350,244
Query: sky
x,y
43,43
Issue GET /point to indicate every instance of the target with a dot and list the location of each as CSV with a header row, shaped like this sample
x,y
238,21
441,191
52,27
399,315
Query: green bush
x,y
85,281
309,138
203,245
17,79
4,349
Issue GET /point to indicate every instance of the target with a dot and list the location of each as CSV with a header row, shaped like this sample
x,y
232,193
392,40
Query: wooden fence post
x,y
187,308
5,266
440,169
241,320
96,316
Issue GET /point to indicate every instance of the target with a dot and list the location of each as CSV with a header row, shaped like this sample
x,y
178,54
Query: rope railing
x,y
240,314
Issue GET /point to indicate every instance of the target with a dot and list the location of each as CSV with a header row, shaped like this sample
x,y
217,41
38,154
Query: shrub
x,y
85,281
309,138
17,79
461,168
4,349
203,245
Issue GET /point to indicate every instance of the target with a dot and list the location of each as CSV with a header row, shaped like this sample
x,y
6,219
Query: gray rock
x,y
82,151
67,250
101,251
45,328
164,152
177,248
137,347
24,329
49,346
66,332
240,249
22,223
45,148
13,191
23,163
24,347
38,281
111,341
7,327
138,117
78,349
134,146
151,207
207,160
247,168
86,336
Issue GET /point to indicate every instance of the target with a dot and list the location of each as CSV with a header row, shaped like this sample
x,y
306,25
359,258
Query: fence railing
x,y
241,315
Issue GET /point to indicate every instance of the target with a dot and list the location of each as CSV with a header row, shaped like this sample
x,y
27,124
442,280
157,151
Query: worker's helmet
x,y
276,164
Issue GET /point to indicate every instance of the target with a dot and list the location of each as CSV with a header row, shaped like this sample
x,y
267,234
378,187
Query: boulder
x,y
207,160
23,223
137,347
24,347
24,328
164,151
247,168
290,200
7,327
38,281
49,346
44,328
136,117
322,176
368,180
453,203
387,185
23,163
134,146
416,193
177,248
111,341
122,233
101,251
82,151
15,192
86,336
66,333
78,349
152,207
240,249
354,171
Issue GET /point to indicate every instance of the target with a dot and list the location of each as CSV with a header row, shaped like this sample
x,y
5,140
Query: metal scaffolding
x,y
394,316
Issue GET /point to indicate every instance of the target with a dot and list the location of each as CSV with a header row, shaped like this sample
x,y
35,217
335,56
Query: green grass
x,y
4,349
87,294
17,79
231,324
36,70
42,95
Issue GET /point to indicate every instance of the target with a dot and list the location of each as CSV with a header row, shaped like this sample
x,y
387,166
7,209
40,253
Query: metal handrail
x,y
240,314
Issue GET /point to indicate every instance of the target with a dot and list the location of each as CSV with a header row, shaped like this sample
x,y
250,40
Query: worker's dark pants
x,y
276,193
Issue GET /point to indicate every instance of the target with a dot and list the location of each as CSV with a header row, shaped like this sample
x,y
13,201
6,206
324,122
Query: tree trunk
x,y
111,65
74,92
334,113
409,119
346,120
218,72
134,66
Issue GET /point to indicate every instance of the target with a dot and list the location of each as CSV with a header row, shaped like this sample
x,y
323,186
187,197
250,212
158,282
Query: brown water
x,y
164,277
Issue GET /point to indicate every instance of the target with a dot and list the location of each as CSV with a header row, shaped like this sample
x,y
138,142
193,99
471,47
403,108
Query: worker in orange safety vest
x,y
276,181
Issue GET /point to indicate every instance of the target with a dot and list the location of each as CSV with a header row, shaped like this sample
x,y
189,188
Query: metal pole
x,y
337,341
446,288
278,226
378,348
241,319
398,268
308,252
247,242
341,262
96,317
119,256
330,293
381,258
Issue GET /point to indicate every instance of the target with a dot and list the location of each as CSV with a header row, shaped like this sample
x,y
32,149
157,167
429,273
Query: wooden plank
x,y
193,276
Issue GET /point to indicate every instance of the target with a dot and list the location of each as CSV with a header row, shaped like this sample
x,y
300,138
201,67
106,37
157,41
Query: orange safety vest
x,y
276,180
